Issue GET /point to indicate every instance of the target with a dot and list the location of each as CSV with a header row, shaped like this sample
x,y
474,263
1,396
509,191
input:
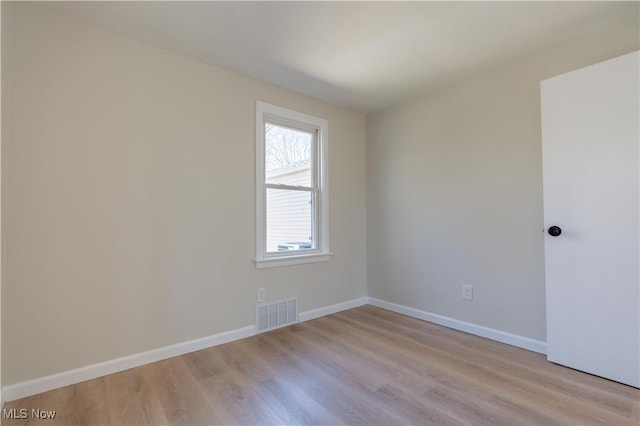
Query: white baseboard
x,y
65,378
332,309
478,330
43,384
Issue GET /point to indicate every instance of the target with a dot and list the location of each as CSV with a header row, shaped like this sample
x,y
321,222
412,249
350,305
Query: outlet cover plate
x,y
467,291
262,295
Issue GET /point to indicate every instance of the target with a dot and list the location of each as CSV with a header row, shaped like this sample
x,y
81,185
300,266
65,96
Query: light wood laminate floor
x,y
361,366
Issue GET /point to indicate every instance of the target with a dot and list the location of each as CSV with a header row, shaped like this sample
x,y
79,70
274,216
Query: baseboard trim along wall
x,y
332,309
43,384
65,378
467,327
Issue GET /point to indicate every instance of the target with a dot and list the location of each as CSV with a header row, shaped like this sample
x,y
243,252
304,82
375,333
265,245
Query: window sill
x,y
274,262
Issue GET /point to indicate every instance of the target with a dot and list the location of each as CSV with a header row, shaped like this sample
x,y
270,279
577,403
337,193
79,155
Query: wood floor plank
x,y
320,374
488,352
487,370
131,399
361,366
182,399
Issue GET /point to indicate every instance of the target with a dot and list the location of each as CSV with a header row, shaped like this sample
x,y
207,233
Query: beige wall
x,y
454,190
128,221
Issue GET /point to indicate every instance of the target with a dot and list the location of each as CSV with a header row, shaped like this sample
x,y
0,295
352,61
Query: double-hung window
x,y
291,187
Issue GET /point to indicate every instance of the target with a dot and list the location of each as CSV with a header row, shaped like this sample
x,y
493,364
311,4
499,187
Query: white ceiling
x,y
364,56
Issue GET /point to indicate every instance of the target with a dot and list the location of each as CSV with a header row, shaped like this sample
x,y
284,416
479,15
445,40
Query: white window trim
x,y
321,253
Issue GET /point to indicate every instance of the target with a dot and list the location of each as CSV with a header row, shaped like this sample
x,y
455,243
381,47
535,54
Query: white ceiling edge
x,y
363,56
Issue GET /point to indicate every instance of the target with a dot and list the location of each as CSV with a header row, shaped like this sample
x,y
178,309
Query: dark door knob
x,y
554,231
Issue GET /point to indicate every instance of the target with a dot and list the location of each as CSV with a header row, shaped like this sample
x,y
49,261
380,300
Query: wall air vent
x,y
274,315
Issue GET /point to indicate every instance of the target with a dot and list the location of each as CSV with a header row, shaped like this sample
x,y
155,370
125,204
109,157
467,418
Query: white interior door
x,y
590,121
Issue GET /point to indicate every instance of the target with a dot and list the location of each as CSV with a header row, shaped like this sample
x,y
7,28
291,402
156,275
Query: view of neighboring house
x,y
290,213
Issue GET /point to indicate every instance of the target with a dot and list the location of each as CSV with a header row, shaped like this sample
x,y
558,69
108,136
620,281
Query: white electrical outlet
x,y
467,291
262,295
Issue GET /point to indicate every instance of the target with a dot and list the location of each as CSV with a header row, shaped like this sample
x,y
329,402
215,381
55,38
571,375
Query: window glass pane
x,y
287,155
289,220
